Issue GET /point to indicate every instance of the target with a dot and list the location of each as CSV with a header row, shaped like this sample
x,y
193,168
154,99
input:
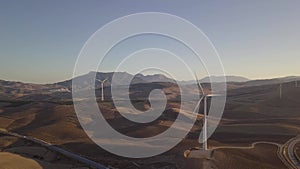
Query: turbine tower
x,y
205,125
102,87
280,90
204,139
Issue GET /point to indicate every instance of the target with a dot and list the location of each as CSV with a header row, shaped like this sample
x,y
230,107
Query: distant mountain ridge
x,y
120,78
10,90
260,82
217,79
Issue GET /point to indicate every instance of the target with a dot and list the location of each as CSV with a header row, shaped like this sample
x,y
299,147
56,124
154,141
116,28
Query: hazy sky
x,y
40,40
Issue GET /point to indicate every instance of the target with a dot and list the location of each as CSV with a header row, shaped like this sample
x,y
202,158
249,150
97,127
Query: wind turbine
x,y
102,87
205,96
204,146
280,90
205,152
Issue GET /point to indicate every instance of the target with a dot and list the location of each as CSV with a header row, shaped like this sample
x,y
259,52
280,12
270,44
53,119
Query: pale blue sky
x,y
40,40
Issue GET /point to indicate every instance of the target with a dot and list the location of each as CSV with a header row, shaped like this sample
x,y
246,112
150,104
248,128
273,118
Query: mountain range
x,y
62,90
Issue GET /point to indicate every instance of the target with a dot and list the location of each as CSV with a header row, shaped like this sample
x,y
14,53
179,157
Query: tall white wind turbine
x,y
102,88
204,144
205,139
205,96
205,152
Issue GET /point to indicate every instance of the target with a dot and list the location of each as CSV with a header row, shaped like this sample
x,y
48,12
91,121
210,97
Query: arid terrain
x,y
19,153
254,112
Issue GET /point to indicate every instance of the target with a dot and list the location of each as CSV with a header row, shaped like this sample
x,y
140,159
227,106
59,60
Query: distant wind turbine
x,y
102,87
280,90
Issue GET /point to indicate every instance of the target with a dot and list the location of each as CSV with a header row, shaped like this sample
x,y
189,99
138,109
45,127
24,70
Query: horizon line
x,y
70,78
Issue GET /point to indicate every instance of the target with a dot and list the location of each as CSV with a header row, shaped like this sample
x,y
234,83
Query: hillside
x,y
252,113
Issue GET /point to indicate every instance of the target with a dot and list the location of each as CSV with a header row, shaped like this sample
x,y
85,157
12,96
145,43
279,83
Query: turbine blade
x,y
198,104
198,84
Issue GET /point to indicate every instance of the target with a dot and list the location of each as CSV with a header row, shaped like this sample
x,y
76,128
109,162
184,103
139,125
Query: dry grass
x,y
21,154
6,141
262,156
14,161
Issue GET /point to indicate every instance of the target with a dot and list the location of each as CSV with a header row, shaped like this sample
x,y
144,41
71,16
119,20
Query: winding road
x,y
245,147
71,155
280,151
288,152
